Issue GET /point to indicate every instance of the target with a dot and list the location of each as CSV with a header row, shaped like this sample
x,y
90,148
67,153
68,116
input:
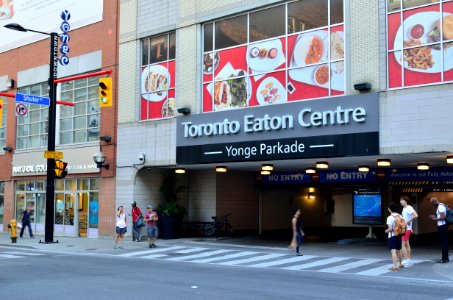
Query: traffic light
x,y
1,113
60,169
105,92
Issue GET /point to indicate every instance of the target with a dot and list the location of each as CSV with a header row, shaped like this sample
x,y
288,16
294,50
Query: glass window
x,y
208,37
231,32
71,184
416,54
83,184
37,118
145,52
307,14
158,49
158,78
74,124
294,51
4,113
94,210
267,23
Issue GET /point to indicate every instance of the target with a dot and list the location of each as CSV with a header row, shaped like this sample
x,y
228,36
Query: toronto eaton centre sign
x,y
340,126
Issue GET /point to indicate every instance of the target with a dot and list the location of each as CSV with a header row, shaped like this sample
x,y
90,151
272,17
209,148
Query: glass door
x,y
40,212
83,214
69,214
59,213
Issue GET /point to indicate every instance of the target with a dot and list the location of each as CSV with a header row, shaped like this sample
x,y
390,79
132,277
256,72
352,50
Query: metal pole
x,y
50,188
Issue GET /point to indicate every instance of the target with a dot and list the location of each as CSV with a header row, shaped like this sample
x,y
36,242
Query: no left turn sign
x,y
21,110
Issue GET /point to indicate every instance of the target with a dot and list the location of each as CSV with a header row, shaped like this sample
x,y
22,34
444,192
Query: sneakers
x,y
152,246
115,247
406,263
121,247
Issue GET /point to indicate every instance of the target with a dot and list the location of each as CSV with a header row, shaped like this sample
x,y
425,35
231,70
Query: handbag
x,y
140,222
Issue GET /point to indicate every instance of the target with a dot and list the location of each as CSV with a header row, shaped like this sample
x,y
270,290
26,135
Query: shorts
x,y
152,231
120,230
394,243
406,236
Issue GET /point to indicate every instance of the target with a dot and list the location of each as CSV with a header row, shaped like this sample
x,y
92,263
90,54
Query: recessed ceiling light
x,y
364,168
180,171
322,165
267,167
450,159
423,166
221,169
384,162
264,172
310,171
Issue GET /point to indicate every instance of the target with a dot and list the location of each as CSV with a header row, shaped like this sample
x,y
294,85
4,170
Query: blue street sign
x,y
32,99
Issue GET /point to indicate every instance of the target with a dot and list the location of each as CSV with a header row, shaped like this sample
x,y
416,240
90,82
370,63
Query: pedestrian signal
x,y
60,169
105,92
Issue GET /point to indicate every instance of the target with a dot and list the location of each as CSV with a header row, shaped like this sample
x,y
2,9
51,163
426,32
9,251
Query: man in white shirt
x,y
442,228
409,214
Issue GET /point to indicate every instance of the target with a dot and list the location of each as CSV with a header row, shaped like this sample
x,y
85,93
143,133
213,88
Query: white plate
x,y
428,20
153,95
266,64
302,45
225,74
306,75
277,85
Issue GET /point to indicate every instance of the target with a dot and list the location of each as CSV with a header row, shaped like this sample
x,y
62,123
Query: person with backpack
x,y
442,228
409,215
395,227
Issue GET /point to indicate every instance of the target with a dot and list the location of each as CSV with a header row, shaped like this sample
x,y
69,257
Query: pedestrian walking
x,y
394,241
409,215
136,213
25,219
298,233
442,228
121,228
151,226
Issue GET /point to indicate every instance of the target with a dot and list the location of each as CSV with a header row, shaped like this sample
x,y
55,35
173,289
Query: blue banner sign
x,y
24,98
354,176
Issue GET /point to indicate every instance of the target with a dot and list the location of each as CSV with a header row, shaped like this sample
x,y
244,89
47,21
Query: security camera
x,y
141,156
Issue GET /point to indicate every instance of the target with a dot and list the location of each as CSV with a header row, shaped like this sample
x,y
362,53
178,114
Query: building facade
x,y
241,84
85,198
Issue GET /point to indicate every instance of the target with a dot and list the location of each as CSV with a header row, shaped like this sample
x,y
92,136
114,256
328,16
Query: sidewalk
x,y
357,249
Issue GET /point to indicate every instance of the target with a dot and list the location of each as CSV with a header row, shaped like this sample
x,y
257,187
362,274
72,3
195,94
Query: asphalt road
x,y
46,275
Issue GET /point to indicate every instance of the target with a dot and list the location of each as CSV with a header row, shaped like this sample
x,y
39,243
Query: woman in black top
x,y
297,229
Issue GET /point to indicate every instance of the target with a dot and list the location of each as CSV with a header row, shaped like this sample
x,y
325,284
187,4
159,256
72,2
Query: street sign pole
x,y
50,188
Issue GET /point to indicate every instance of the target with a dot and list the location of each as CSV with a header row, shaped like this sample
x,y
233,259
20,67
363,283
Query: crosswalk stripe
x,y
351,265
247,260
234,255
375,271
316,263
204,254
22,253
150,251
282,261
154,256
9,256
190,250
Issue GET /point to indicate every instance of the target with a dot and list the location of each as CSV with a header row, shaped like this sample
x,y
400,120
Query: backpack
x,y
400,226
448,214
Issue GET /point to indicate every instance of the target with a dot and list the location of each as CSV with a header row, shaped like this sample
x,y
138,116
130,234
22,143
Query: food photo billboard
x,y
419,42
248,63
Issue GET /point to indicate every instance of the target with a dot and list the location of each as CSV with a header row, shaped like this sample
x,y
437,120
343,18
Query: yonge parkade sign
x,y
339,126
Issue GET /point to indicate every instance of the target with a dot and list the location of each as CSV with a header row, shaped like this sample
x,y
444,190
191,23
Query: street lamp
x,y
50,188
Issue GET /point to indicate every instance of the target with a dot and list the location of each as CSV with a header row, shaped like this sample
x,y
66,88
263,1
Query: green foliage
x,y
170,191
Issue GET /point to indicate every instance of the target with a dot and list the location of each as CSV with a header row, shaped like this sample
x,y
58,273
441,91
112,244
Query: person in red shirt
x,y
136,213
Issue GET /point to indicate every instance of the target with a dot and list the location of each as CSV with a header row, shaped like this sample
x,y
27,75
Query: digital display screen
x,y
367,207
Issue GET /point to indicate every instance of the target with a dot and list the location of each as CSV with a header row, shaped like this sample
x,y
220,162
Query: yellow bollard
x,y
13,227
